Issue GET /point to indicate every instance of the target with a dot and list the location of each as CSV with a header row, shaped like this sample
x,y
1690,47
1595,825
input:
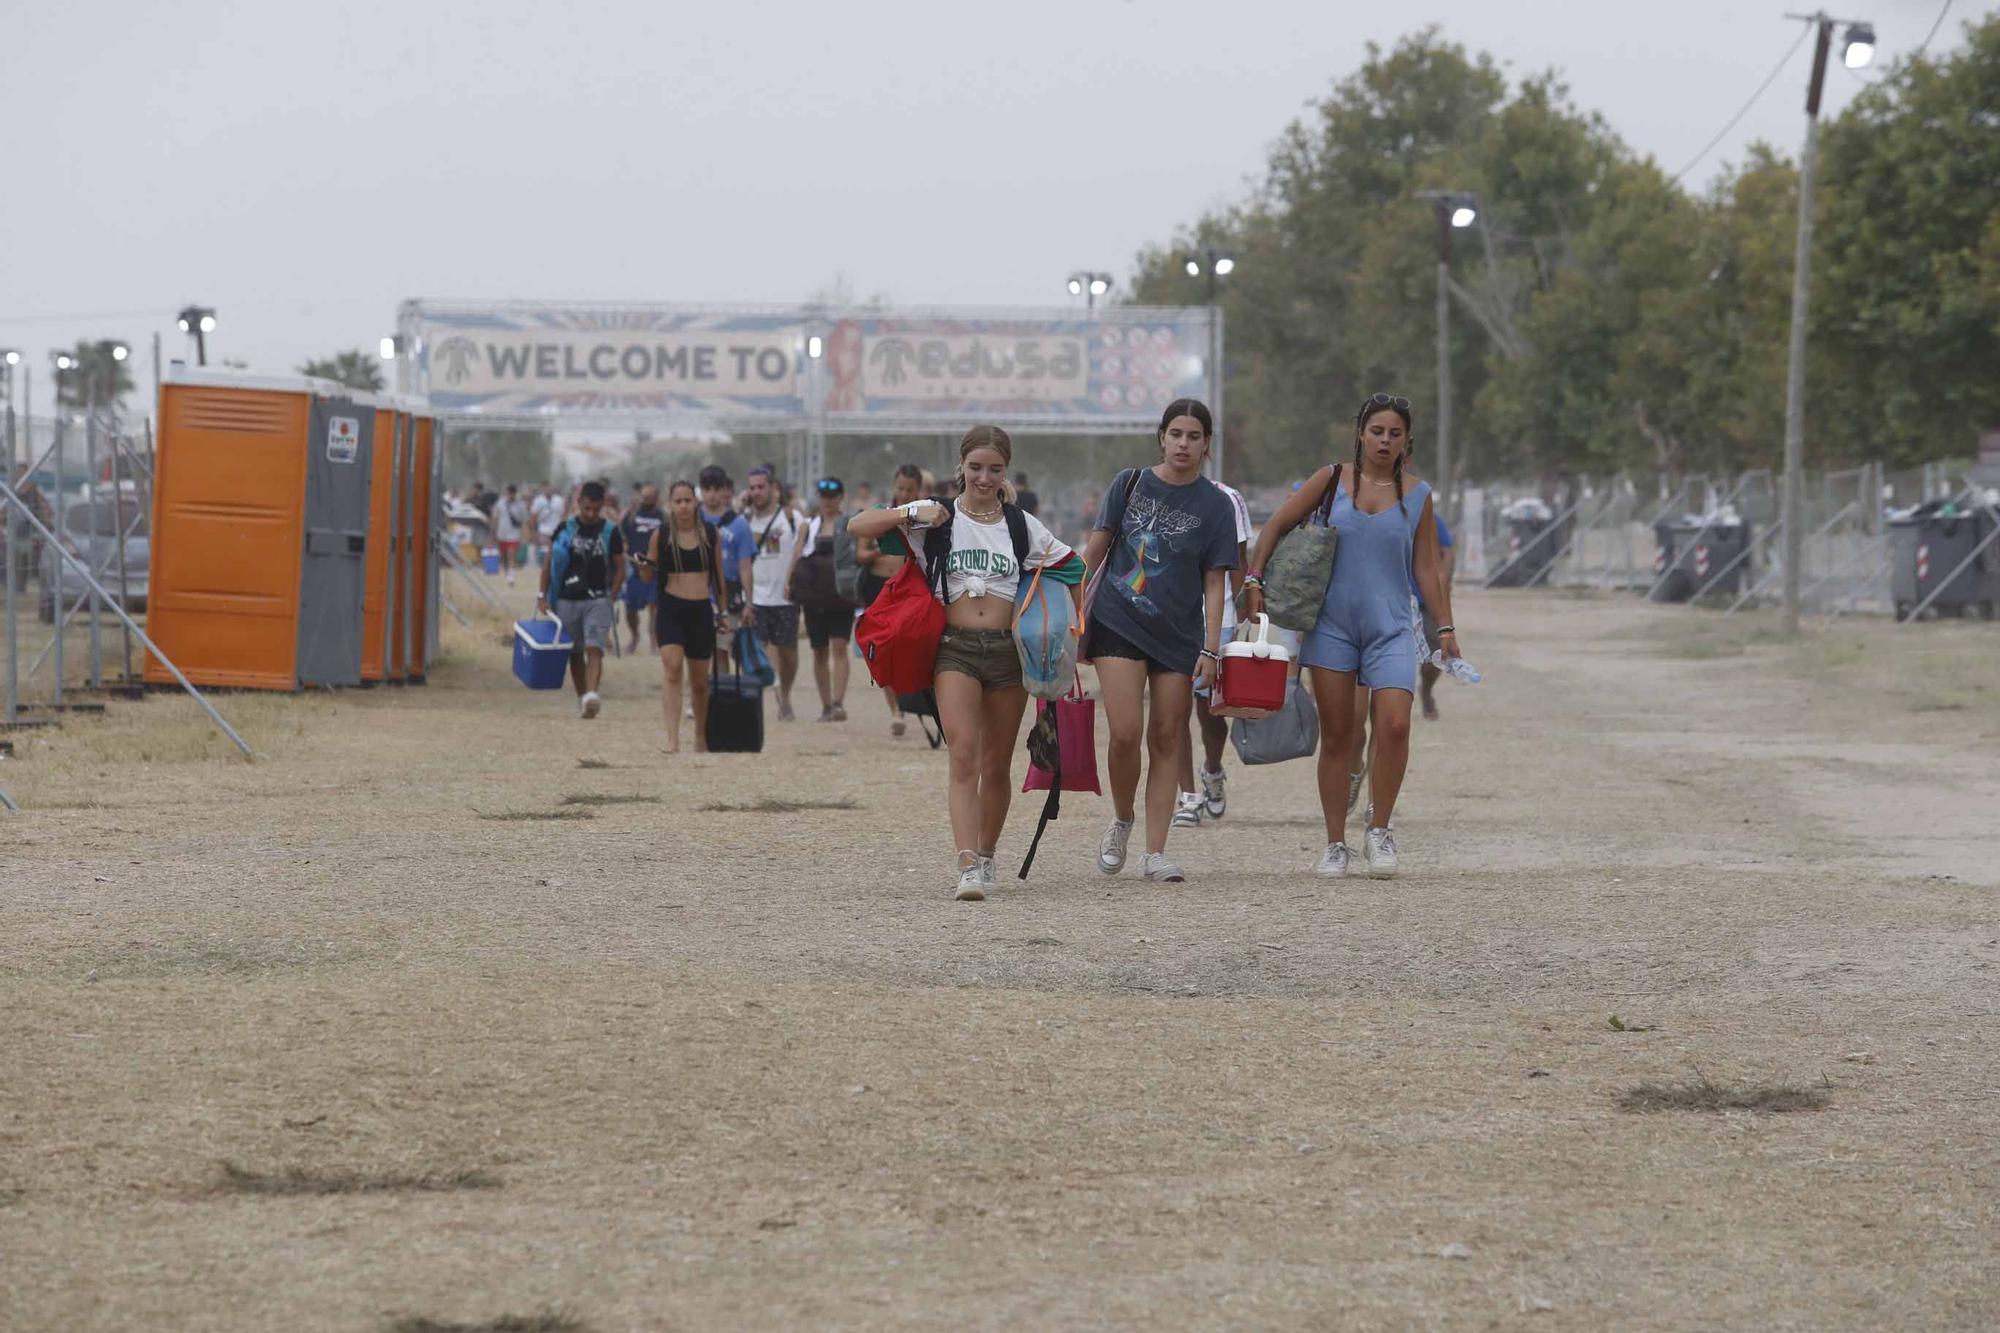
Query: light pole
x,y
1455,209
1213,263
198,320
1090,286
1857,51
10,714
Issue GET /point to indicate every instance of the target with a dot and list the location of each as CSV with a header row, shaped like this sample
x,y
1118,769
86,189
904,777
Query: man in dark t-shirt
x,y
586,561
1025,500
637,528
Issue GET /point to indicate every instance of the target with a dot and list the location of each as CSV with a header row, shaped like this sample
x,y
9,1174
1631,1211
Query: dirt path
x,y
676,1067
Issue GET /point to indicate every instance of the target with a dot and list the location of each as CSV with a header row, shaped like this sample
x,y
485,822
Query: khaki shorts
x,y
986,655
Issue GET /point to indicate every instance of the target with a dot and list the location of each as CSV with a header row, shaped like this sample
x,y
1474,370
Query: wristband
x,y
1444,630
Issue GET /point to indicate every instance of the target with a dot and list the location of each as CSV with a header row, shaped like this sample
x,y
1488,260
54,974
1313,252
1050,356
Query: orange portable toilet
x,y
379,659
260,530
423,544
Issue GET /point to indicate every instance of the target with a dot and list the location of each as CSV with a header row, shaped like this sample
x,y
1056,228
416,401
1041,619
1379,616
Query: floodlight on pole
x,y
119,351
1089,284
1455,210
63,360
1858,51
198,321
12,357
390,346
1217,263
815,347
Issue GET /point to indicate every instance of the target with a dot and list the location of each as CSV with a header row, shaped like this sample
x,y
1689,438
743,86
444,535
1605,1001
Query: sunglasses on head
x,y
1386,400
830,488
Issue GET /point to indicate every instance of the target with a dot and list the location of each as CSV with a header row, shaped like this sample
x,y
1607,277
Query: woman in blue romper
x,y
1365,631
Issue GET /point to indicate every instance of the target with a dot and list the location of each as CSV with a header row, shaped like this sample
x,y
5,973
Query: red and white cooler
x,y
1255,668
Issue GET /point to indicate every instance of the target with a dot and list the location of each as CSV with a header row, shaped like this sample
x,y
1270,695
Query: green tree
x,y
97,376
355,369
1907,271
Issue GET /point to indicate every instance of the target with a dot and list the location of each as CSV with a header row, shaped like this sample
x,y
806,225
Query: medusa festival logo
x,y
970,365
458,352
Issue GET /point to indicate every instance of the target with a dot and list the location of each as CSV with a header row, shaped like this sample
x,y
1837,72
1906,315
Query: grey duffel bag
x,y
1302,565
1290,733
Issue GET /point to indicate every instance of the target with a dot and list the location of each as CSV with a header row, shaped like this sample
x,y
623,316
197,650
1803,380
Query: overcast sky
x,y
305,167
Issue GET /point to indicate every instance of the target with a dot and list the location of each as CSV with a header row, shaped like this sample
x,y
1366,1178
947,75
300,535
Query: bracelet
x,y
1253,580
1444,630
1213,657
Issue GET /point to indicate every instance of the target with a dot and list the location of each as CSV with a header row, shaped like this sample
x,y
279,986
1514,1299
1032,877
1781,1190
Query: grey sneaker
x,y
972,882
1333,862
1187,813
1214,792
1111,847
1156,867
1381,847
1353,790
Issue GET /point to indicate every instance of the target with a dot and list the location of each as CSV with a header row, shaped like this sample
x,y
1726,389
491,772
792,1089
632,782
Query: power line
x,y
1762,88
1934,27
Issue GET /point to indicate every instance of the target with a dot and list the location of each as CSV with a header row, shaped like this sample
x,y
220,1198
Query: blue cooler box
x,y
489,560
541,653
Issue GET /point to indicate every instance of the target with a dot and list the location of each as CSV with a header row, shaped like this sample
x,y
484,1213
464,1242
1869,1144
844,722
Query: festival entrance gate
x,y
808,371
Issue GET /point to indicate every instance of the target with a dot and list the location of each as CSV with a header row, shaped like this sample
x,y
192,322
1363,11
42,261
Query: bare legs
x,y
830,669
586,669
1334,692
983,726
787,660
1214,735
1339,746
1124,683
672,658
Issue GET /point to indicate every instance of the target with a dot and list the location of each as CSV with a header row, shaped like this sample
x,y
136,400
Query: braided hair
x,y
1369,409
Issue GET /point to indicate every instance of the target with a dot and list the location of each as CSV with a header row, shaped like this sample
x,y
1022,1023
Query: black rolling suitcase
x,y
735,714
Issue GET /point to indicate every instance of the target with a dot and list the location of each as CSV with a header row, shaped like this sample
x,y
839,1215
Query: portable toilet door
x,y
332,574
433,557
254,525
406,518
423,532
379,599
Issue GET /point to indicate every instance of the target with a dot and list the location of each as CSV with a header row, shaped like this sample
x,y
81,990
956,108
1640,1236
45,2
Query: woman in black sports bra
x,y
684,559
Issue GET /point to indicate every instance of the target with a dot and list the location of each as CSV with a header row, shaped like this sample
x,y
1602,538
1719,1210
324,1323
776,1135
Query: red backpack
x,y
898,634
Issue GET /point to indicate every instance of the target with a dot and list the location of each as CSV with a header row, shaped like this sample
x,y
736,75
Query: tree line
x,y
1603,315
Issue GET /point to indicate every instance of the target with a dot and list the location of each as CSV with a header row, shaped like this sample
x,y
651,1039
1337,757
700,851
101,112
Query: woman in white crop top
x,y
978,683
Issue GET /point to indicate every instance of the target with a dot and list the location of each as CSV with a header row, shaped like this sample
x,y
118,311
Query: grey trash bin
x,y
1929,543
1694,553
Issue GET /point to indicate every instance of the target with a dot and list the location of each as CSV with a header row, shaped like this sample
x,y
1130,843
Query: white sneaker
x,y
589,704
987,874
1214,792
1333,862
1155,866
1353,790
972,882
1111,847
1187,812
1381,847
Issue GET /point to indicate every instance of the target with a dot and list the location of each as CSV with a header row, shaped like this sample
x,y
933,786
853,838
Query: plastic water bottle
x,y
1455,667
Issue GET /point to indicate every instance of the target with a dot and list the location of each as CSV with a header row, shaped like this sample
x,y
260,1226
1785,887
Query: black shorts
x,y
1101,642
682,622
822,627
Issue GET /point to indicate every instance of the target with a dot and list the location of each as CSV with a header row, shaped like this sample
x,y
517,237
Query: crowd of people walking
x,y
1168,565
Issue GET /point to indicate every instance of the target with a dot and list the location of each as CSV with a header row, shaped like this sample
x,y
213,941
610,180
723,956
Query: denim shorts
x,y
986,655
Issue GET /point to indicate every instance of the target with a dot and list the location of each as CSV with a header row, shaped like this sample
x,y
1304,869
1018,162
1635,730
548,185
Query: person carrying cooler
x,y
1211,799
586,561
1159,555
976,552
1364,634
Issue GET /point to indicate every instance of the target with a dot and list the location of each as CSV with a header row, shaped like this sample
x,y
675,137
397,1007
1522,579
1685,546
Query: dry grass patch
x,y
774,806
516,816
601,798
547,1322
1705,1095
236,1179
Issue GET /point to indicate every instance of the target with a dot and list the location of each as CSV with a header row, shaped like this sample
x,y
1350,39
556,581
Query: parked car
x,y
90,532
